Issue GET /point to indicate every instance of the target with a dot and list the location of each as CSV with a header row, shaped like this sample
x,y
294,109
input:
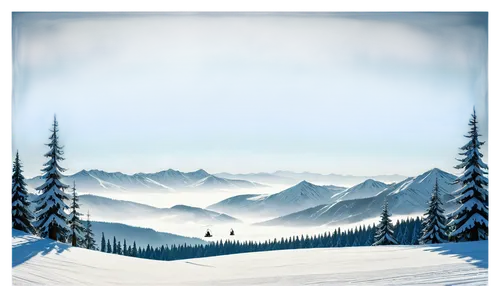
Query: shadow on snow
x,y
475,253
33,246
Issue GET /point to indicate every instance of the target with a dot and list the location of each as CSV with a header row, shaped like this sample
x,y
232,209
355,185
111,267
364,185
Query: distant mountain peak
x,y
372,182
82,172
201,172
436,170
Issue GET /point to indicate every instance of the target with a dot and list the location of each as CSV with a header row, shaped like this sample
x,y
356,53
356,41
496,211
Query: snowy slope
x,y
406,197
168,180
212,181
368,188
298,197
45,262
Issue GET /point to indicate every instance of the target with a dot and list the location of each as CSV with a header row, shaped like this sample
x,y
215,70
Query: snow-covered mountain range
x,y
117,210
169,180
301,196
408,196
287,177
110,210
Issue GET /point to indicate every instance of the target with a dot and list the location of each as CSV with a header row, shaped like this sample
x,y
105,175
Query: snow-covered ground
x,y
41,261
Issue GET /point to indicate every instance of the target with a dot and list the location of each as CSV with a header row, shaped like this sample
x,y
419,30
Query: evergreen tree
x,y
470,221
103,243
51,220
405,237
134,250
108,247
119,248
398,233
416,232
434,223
21,214
74,221
89,241
355,242
369,239
385,232
125,250
114,244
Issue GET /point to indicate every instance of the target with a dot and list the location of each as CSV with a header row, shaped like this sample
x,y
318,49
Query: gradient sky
x,y
346,93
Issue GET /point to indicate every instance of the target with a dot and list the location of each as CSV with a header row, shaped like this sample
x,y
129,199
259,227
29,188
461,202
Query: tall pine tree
x,y
114,244
89,241
434,223
470,221
108,247
21,214
75,224
385,232
125,251
51,220
103,243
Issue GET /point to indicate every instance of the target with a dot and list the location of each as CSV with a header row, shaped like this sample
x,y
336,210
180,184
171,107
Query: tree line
x,y
469,222
407,232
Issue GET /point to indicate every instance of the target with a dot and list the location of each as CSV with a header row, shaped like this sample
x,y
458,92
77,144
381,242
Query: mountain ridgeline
x,y
287,178
169,180
301,196
406,197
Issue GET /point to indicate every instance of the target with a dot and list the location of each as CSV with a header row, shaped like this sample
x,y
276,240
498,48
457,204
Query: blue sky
x,y
357,93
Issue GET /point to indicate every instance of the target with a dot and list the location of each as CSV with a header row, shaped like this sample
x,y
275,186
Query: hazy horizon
x,y
72,172
360,94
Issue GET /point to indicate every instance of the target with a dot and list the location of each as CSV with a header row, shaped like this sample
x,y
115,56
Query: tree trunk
x,y
53,232
474,234
73,240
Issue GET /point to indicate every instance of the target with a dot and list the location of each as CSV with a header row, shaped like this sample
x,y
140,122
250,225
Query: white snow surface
x,y
45,262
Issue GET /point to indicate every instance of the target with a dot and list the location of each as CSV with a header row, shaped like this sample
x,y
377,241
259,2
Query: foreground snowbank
x,y
41,261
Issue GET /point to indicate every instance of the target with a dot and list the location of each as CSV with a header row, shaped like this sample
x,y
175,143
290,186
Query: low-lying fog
x,y
203,198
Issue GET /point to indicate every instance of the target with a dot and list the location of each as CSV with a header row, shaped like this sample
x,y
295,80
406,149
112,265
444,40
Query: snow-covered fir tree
x,y
51,220
434,222
75,224
470,221
21,214
385,231
89,241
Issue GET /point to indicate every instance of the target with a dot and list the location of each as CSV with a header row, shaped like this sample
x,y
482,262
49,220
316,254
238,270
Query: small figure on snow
x,y
231,232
